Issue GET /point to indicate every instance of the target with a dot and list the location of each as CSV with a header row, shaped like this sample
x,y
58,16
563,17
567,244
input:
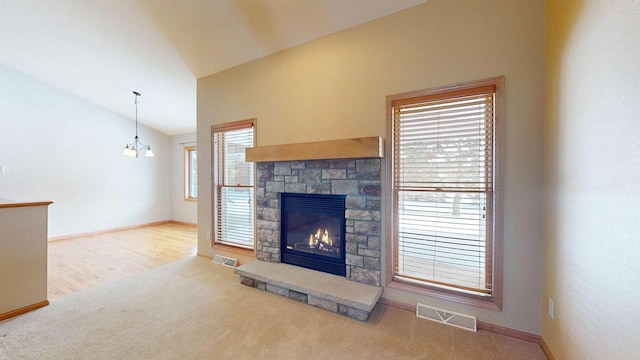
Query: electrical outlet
x,y
551,308
208,235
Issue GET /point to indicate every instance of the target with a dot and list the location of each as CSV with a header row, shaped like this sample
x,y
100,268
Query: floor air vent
x,y
447,317
226,261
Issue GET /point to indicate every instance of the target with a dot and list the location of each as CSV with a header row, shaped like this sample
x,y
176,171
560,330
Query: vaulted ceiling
x,y
102,50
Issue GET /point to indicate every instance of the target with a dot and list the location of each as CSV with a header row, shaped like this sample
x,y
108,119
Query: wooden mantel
x,y
367,147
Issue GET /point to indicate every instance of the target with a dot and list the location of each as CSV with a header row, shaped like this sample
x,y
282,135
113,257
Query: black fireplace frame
x,y
330,204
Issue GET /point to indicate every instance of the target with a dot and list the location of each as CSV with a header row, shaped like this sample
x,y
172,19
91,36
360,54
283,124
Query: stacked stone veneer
x,y
358,179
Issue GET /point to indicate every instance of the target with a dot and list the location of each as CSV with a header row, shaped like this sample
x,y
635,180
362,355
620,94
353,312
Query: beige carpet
x,y
194,309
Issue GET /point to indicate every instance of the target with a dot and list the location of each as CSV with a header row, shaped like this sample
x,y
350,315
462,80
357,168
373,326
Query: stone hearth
x,y
329,292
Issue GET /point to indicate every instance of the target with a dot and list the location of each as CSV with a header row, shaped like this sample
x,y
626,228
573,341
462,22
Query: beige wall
x,y
335,88
592,193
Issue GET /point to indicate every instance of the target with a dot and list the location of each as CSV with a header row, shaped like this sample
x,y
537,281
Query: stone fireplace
x,y
345,235
357,179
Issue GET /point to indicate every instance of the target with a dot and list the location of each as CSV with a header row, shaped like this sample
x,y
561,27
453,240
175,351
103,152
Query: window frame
x,y
495,251
188,196
215,242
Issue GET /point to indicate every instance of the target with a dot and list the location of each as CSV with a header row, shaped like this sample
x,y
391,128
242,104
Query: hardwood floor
x,y
79,263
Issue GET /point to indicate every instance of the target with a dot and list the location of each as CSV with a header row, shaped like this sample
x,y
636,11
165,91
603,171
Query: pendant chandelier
x,y
136,147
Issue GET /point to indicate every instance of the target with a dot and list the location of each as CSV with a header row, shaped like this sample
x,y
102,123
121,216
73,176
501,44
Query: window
x,y
233,187
445,182
190,173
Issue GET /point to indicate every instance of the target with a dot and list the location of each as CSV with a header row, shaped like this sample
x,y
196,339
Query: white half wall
x,y
58,147
181,209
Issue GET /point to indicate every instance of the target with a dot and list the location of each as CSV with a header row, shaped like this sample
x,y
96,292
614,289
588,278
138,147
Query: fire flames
x,y
320,236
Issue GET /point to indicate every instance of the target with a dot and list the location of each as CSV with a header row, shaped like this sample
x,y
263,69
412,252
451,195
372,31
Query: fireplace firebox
x,y
313,231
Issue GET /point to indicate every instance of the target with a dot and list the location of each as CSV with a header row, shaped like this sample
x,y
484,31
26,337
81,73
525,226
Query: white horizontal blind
x,y
443,189
233,188
192,177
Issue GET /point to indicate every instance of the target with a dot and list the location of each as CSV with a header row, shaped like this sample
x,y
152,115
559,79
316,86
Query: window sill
x,y
445,295
234,249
